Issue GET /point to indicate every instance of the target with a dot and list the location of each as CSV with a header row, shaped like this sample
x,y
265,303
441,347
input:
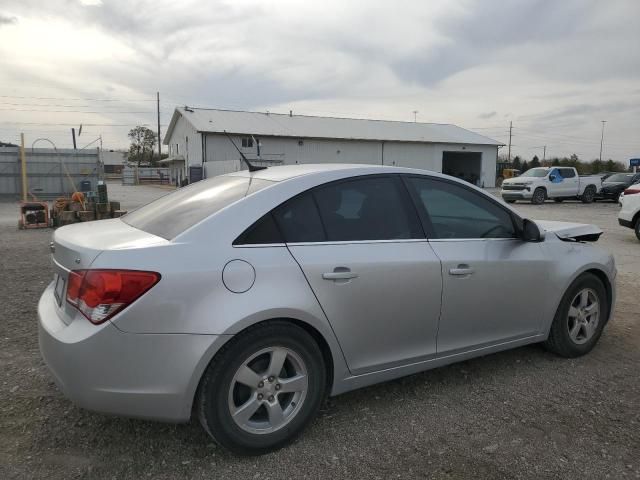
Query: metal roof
x,y
303,126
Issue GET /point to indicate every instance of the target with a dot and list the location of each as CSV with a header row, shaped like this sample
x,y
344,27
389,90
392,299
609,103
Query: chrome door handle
x,y
339,275
461,270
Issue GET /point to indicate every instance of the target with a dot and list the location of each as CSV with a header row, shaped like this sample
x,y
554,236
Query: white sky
x,y
554,68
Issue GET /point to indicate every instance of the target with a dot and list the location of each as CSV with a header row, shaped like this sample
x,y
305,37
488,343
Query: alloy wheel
x,y
584,315
268,390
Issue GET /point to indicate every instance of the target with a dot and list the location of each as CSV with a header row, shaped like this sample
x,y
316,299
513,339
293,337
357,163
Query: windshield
x,y
620,177
535,172
172,214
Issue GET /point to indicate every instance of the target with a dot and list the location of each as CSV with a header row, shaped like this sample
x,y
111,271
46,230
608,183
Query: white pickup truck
x,y
538,184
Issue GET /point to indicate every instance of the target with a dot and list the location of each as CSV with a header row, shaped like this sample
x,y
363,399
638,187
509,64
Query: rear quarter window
x,y
172,214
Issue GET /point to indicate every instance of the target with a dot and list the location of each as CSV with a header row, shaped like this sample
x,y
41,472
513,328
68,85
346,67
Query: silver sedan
x,y
249,297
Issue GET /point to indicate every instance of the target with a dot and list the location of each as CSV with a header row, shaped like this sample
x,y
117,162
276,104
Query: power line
x,y
72,111
128,125
81,99
60,105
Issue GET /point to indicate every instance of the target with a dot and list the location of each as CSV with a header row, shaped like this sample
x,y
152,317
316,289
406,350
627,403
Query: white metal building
x,y
198,146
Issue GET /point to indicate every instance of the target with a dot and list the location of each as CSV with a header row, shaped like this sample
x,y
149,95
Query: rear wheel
x,y
588,195
539,196
637,228
580,318
262,388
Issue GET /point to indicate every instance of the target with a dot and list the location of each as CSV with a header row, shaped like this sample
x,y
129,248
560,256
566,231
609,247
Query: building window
x,y
247,142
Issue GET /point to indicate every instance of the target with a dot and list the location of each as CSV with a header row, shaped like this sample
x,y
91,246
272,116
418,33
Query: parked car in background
x,y
605,175
615,184
557,183
248,297
629,215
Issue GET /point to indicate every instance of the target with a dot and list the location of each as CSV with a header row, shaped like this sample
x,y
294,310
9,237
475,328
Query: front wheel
x,y
637,228
539,196
262,388
580,318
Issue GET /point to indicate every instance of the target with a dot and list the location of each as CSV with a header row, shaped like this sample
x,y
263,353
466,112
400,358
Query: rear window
x,y
172,214
620,177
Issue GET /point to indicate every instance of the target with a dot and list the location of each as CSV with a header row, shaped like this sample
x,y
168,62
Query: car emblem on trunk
x,y
52,247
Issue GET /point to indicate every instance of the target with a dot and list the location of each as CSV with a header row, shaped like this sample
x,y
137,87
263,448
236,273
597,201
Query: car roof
x,y
285,172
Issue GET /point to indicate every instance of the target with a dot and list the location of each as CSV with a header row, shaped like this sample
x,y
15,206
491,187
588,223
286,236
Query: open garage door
x,y
464,165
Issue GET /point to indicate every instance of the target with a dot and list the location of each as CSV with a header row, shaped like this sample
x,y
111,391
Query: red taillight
x,y
631,191
100,294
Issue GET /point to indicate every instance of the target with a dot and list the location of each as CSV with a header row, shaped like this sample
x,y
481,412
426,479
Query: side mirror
x,y
531,232
552,177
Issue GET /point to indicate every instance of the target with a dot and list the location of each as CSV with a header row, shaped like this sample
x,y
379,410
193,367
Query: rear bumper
x,y
625,223
101,368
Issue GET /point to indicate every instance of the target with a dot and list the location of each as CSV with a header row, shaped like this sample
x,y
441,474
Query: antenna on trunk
x,y
250,166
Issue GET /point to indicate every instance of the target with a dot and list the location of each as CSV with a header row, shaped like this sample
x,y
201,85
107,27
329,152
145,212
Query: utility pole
x,y
415,116
23,164
509,153
544,153
73,137
159,142
602,138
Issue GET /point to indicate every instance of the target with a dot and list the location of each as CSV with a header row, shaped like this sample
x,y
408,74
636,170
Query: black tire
x,y
558,200
559,340
589,194
637,228
539,196
212,400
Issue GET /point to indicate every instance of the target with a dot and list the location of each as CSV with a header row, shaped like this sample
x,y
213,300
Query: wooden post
x,y
23,162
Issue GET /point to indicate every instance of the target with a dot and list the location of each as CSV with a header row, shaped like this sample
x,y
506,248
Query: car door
x,y
570,182
361,247
493,281
557,184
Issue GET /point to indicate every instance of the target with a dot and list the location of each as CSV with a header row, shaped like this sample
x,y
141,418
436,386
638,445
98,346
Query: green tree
x,y
516,163
555,162
597,166
535,162
525,166
142,142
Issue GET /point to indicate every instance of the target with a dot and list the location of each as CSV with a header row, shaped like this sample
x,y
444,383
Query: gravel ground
x,y
518,414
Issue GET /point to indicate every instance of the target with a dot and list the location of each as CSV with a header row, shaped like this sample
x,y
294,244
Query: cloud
x,y
487,115
7,20
553,68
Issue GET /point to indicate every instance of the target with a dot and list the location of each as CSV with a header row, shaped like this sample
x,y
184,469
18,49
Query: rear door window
x,y
174,213
299,221
367,208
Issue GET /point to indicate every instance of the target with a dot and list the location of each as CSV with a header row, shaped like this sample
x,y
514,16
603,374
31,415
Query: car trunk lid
x,y
75,247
